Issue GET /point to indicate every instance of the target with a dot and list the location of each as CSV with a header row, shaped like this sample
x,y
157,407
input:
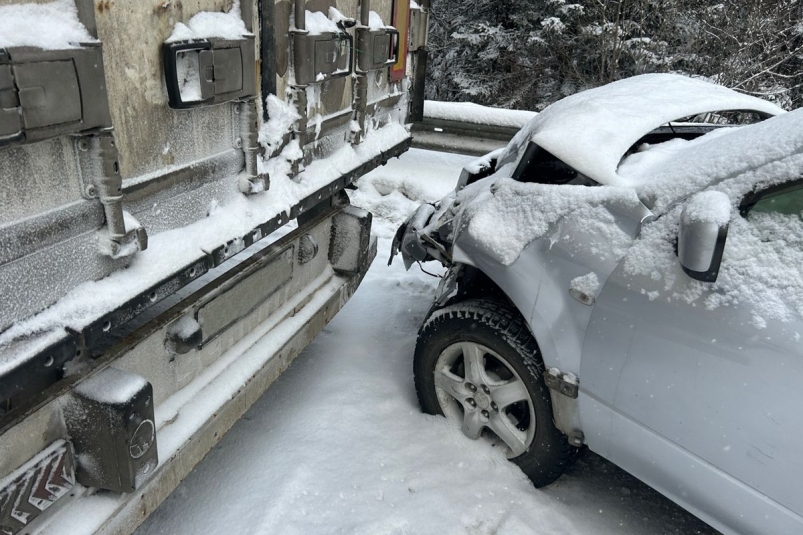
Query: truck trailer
x,y
174,226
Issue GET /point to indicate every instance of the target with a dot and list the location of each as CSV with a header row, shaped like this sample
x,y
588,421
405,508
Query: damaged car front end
x,y
569,273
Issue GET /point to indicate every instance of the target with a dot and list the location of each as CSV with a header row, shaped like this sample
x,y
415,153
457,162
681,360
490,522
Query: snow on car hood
x,y
503,216
592,130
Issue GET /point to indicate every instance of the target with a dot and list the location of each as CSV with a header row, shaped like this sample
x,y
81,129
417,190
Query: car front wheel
x,y
477,364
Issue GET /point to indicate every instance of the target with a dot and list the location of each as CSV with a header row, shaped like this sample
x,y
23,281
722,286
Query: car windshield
x,y
540,166
515,149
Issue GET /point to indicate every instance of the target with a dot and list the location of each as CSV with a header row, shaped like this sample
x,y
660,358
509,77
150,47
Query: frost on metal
x,y
172,250
189,79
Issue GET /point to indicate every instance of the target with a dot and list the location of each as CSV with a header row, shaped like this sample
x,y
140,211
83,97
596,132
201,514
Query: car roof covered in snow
x,y
593,129
757,155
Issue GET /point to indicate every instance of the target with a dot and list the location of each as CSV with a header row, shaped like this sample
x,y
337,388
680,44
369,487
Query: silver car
x,y
623,280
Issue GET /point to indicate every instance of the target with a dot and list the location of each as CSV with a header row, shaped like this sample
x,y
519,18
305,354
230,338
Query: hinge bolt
x,y
238,142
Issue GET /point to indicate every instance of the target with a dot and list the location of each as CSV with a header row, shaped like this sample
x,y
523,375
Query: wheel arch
x,y
498,321
474,283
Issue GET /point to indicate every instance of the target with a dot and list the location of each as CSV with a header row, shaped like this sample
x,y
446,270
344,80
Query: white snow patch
x,y
50,26
394,191
208,24
184,327
112,386
592,130
375,21
766,153
474,113
336,16
506,215
651,295
484,162
317,23
762,266
281,118
586,284
709,207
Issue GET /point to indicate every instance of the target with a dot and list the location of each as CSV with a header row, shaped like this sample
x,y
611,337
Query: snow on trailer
x,y
177,198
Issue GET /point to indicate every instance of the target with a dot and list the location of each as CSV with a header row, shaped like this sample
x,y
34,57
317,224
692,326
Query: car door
x,y
696,387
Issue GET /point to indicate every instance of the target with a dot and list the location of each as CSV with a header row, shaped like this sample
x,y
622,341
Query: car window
x,y
786,199
539,166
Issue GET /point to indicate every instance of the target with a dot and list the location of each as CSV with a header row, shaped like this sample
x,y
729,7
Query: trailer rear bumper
x,y
212,385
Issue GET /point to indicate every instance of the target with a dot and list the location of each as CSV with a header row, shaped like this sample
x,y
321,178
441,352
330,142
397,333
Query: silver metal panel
x,y
41,278
36,178
706,379
239,300
182,196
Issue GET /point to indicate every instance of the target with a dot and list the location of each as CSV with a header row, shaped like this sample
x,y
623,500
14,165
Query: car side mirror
x,y
702,235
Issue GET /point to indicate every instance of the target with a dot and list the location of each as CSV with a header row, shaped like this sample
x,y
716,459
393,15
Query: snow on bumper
x,y
200,393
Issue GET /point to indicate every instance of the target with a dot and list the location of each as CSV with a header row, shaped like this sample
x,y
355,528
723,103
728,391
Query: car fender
x,y
541,285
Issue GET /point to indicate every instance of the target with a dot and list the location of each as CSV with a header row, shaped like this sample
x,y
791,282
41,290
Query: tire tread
x,y
507,323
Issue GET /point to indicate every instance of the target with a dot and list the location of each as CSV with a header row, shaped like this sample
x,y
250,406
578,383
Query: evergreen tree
x,y
528,54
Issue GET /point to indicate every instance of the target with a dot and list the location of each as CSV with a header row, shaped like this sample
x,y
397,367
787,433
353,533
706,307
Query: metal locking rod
x,y
116,240
361,82
252,182
109,187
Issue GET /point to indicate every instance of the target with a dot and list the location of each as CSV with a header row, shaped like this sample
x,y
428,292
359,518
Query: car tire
x,y
495,337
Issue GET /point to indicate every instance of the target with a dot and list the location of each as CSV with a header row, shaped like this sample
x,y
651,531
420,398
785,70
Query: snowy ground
x,y
338,444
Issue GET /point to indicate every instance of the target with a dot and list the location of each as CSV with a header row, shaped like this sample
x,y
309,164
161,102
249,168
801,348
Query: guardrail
x,y
466,128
